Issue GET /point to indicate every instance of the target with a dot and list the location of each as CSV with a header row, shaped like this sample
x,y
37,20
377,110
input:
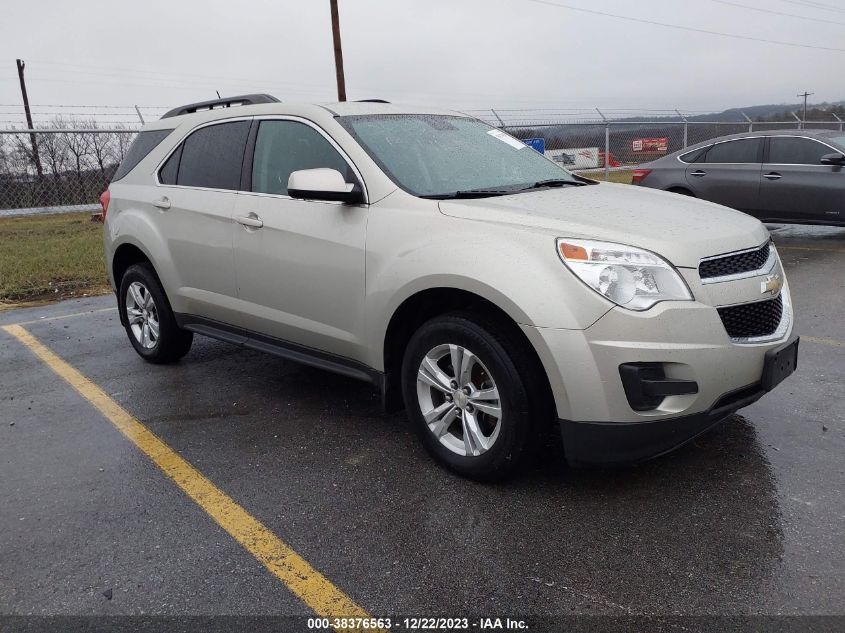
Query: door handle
x,y
772,176
251,220
698,173
162,203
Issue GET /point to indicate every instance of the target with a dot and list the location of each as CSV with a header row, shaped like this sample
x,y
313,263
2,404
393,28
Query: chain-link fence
x,y
608,146
58,169
610,149
63,168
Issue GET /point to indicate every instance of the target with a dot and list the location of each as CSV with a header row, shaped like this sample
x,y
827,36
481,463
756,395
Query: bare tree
x,y
5,156
78,145
53,150
101,146
122,141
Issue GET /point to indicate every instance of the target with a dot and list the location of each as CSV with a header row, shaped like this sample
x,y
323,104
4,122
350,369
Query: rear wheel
x,y
467,390
148,318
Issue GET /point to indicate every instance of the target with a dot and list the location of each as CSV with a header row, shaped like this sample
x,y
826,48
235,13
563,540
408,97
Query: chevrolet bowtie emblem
x,y
771,285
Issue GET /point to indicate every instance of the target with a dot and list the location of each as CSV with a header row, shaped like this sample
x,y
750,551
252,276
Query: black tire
x,y
172,342
515,375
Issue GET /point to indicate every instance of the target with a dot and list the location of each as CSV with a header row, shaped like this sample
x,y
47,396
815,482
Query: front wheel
x,y
148,318
464,382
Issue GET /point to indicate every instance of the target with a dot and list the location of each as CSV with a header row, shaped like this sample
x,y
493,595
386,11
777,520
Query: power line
x,y
789,15
814,5
685,28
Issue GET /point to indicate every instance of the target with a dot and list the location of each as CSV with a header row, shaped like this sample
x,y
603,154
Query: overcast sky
x,y
508,54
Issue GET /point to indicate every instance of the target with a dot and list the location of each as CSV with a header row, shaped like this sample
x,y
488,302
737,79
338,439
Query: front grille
x,y
734,264
753,319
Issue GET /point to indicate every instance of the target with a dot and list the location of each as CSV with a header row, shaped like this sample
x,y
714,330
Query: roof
x,y
193,114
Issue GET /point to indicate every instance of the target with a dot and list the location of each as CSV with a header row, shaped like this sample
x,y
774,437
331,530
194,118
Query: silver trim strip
x,y
761,136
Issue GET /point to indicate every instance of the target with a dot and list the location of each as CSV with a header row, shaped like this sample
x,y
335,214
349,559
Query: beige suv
x,y
474,281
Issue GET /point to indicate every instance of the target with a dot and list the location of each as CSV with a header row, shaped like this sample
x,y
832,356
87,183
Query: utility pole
x,y
338,53
805,94
35,157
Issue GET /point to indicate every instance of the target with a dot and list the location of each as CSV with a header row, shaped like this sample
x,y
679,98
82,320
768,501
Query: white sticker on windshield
x,y
507,138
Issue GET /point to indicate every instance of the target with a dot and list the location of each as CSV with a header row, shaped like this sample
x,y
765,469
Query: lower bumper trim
x,y
622,443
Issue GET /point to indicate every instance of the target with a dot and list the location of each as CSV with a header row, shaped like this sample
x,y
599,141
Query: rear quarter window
x,y
695,156
143,144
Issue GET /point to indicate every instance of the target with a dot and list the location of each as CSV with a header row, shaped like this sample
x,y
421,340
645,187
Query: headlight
x,y
630,277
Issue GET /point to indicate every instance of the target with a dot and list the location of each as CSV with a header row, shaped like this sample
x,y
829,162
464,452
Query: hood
x,y
680,228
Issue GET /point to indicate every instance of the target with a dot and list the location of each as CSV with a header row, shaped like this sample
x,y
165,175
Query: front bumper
x,y
615,443
687,339
610,443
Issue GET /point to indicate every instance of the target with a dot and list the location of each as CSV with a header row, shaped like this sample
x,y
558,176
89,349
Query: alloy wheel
x,y
459,400
142,315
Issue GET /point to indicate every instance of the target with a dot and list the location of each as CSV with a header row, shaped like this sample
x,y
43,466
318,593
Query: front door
x,y
299,264
796,187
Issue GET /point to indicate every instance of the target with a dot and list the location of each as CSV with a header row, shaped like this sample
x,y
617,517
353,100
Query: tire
x,y
495,357
143,305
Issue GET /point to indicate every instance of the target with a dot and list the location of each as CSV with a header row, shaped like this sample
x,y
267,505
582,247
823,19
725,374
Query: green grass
x,y
51,256
622,176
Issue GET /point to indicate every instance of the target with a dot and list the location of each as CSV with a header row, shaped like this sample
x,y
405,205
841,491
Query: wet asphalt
x,y
749,518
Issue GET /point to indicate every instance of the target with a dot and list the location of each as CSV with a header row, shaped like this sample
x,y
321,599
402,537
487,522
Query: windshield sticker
x,y
507,138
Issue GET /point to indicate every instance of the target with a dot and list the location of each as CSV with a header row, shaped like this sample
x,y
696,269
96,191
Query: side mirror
x,y
833,159
323,184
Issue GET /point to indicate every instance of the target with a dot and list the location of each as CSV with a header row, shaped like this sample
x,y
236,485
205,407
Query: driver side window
x,y
794,150
282,147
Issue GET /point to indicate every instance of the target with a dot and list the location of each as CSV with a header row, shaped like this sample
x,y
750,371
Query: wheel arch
x,y
684,190
125,256
429,303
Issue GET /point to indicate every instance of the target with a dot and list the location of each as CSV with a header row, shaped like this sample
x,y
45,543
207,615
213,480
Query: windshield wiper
x,y
554,182
469,193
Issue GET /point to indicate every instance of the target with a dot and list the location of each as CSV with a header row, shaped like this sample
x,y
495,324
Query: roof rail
x,y
371,101
220,103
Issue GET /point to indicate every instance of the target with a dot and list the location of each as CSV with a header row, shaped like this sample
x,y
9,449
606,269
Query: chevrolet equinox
x,y
475,282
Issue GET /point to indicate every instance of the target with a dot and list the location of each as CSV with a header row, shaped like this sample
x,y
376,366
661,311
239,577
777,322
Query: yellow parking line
x,y
823,341
302,579
65,316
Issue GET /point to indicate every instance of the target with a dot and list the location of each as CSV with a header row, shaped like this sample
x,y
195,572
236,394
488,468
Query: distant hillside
x,y
771,111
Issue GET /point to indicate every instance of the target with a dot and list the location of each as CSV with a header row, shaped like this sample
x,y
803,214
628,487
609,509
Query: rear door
x,y
729,174
300,274
199,182
796,187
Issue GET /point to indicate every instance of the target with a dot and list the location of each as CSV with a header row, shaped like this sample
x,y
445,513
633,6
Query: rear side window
x,y
695,156
212,157
282,147
746,150
143,144
791,150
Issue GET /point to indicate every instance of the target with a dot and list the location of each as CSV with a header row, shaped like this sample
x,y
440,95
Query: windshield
x,y
441,156
839,140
